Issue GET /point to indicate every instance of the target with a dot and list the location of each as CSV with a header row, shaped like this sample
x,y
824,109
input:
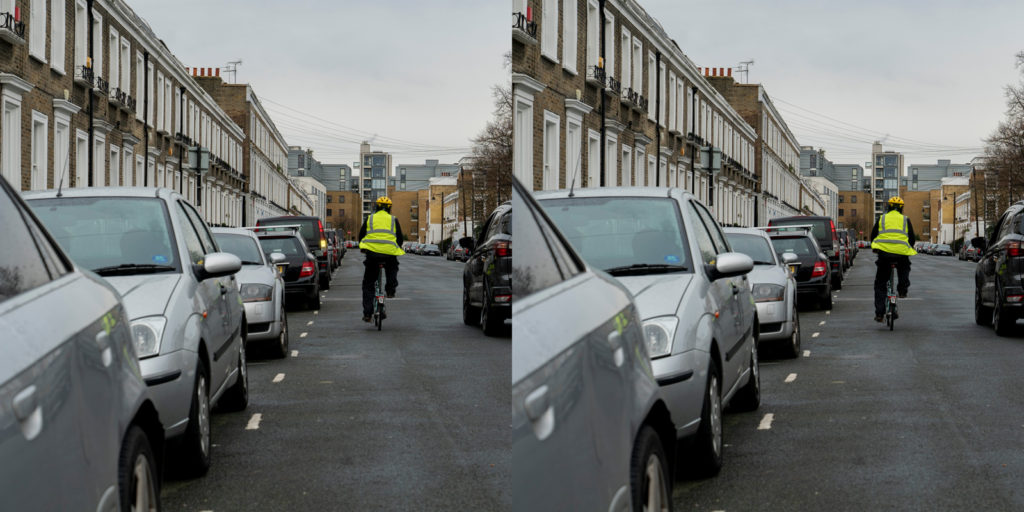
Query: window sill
x,y
569,71
550,58
60,72
37,57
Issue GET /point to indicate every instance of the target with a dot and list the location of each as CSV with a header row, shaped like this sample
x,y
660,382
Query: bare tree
x,y
1004,153
492,158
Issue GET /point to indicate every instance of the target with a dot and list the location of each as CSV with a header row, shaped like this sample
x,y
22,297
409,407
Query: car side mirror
x,y
979,242
467,242
790,259
218,264
730,264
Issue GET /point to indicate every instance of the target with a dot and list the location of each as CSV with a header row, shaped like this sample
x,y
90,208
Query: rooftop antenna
x,y
744,67
232,67
579,162
64,168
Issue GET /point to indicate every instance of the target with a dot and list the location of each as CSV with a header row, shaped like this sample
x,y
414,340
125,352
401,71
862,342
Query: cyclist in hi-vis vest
x,y
892,238
380,238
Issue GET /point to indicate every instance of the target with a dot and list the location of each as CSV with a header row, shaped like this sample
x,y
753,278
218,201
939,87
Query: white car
x,y
773,286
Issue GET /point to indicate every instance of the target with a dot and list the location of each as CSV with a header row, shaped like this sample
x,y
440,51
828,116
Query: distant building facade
x,y
373,175
417,176
929,177
887,169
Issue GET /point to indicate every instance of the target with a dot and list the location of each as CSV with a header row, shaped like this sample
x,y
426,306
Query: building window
x,y
651,78
97,44
638,65
10,142
573,148
329,212
57,38
37,177
129,176
853,199
126,66
627,166
841,212
139,85
569,39
37,29
99,170
609,44
61,148
840,198
550,150
593,158
661,110
115,61
610,171
853,212
115,166
328,198
549,29
593,30
627,60
641,176
522,149
671,101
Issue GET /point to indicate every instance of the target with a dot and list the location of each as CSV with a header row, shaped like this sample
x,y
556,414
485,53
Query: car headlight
x,y
256,292
764,292
659,333
146,334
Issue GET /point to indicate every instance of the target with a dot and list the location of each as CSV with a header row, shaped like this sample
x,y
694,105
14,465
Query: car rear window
x,y
819,227
240,245
801,246
752,245
307,227
288,246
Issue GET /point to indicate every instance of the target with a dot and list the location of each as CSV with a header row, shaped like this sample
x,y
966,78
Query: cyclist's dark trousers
x,y
370,277
884,261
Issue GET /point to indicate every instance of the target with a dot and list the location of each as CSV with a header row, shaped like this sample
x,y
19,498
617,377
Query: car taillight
x,y
819,269
1013,249
502,249
307,269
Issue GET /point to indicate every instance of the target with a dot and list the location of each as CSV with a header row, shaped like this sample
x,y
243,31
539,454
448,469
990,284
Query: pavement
x,y
413,417
925,417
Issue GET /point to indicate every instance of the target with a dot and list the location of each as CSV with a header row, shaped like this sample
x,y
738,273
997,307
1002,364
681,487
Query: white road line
x,y
815,335
311,322
295,353
821,322
279,377
766,422
791,377
807,353
254,422
316,313
303,335
828,313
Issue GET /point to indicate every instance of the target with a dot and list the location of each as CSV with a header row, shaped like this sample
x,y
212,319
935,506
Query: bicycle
x,y
379,313
891,313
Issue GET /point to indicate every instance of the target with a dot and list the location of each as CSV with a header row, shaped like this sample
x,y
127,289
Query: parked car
x,y
333,249
78,425
459,253
847,248
972,253
261,286
312,231
590,430
430,250
998,285
487,277
691,290
824,231
179,290
301,281
773,286
853,243
812,276
942,250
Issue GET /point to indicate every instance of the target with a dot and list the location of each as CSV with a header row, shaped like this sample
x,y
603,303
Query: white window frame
x,y
128,168
549,30
550,149
570,41
10,139
139,84
651,170
680,103
81,33
651,80
115,166
573,148
593,33
81,159
626,171
159,92
140,172
114,46
609,44
522,146
627,59
641,176
37,30
38,148
663,169
661,104
97,44
168,105
149,94
58,35
593,158
611,160
61,148
99,157
126,65
671,101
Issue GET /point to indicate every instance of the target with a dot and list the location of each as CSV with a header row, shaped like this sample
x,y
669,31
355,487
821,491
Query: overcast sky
x,y
410,71
929,72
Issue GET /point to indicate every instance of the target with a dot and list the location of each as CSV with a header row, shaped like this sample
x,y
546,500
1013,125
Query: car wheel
x,y
281,347
837,283
236,398
1004,321
825,301
793,347
325,283
649,475
138,481
491,322
982,313
196,441
313,301
748,398
470,314
708,440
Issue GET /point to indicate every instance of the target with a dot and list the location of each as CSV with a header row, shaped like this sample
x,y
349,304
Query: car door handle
x,y
29,414
615,342
539,411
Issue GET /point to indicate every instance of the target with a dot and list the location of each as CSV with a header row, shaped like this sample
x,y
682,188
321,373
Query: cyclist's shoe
x,y
903,295
878,318
366,318
391,295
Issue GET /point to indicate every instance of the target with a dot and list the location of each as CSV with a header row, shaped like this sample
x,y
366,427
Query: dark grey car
x,y
78,429
590,430
999,276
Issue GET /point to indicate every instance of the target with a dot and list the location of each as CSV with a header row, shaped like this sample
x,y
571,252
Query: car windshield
x,y
111,235
817,226
240,245
944,247
615,233
288,246
306,227
752,245
432,247
801,246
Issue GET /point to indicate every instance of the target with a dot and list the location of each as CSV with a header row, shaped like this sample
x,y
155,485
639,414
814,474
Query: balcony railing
x,y
634,98
524,29
12,29
84,76
122,99
102,86
614,86
596,76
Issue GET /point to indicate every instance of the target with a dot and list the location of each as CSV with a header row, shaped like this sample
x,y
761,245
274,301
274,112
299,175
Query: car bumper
x,y
170,378
818,288
682,378
263,323
774,320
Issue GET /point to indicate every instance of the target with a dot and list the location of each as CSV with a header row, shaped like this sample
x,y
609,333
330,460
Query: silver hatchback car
x,y
78,428
179,291
700,323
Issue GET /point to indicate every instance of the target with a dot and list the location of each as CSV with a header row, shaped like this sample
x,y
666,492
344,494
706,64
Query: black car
x,y
812,276
300,275
943,250
824,230
312,231
431,250
998,287
487,279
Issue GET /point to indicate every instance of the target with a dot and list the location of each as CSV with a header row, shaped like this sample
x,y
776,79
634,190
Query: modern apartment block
x,y
373,175
417,176
338,177
929,177
146,109
344,212
850,177
631,110
887,167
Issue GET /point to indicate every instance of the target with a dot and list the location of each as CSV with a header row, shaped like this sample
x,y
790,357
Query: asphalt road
x,y
413,417
926,417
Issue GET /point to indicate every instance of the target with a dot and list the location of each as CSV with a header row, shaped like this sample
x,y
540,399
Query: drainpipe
x,y
604,105
145,118
657,119
693,132
181,137
92,99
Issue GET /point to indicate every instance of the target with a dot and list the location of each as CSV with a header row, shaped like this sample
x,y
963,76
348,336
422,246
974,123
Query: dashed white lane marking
x,y
311,322
821,322
791,377
278,378
303,335
807,353
254,422
766,422
316,313
295,353
815,335
828,313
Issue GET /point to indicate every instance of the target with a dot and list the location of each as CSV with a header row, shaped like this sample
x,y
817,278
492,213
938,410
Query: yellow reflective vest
x,y
380,235
892,235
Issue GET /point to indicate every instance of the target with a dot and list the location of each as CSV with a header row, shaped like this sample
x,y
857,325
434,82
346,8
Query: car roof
x,y
613,191
745,231
160,192
233,231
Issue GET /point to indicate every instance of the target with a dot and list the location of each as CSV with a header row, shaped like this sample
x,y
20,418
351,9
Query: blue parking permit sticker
x,y
159,259
671,259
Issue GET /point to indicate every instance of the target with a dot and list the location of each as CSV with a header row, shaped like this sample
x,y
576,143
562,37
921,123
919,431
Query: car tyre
x,y
470,314
1004,322
280,350
837,283
649,475
748,398
325,283
236,398
708,440
825,301
982,313
491,322
313,301
138,481
792,350
196,440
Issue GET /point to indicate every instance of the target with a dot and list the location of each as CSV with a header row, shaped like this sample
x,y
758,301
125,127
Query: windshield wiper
x,y
645,268
132,268
763,262
251,263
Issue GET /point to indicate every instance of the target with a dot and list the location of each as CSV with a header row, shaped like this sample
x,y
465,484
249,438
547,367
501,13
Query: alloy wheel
x,y
203,415
144,496
657,498
716,415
